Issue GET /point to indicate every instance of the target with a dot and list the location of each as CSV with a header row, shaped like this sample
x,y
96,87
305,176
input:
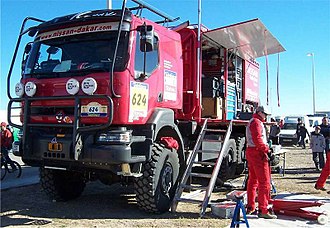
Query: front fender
x,y
163,123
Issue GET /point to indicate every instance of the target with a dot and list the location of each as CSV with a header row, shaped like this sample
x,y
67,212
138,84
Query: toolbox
x,y
224,209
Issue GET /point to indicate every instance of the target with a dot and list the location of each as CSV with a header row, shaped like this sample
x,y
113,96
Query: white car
x,y
288,132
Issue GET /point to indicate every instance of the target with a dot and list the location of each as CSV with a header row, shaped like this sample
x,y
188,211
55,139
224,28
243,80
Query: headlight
x,y
19,89
89,86
30,89
112,137
72,86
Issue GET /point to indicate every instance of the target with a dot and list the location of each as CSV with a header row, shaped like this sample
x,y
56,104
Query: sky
x,y
300,26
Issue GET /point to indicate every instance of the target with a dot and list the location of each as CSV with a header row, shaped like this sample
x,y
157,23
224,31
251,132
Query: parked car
x,y
288,134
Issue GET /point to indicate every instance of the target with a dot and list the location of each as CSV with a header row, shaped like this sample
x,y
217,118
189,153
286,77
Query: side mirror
x,y
32,32
52,50
146,38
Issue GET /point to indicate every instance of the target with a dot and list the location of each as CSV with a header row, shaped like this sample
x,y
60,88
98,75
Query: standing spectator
x,y
318,145
325,131
298,131
281,123
303,133
274,133
259,169
5,142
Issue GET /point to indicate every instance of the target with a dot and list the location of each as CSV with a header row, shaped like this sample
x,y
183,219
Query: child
x,y
318,145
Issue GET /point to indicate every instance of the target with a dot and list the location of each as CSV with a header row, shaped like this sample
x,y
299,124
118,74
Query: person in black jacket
x,y
325,131
274,132
298,131
303,133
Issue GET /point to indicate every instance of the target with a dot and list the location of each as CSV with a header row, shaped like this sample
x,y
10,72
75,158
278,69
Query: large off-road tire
x,y
61,185
155,189
228,166
240,147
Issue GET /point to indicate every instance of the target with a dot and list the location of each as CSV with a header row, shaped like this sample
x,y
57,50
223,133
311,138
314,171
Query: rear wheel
x,y
61,185
240,143
155,189
228,166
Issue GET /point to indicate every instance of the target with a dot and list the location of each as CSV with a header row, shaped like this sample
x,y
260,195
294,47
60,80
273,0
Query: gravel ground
x,y
115,206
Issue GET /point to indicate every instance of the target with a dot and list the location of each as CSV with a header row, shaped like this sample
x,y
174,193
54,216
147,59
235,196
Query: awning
x,y
249,39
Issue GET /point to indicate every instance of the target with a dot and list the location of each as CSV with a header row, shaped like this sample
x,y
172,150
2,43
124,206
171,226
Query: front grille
x,y
51,110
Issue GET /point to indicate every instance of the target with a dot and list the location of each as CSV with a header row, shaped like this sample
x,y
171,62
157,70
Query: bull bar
x,y
77,128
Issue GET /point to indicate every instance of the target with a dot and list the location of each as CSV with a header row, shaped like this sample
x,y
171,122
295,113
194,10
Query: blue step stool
x,y
236,217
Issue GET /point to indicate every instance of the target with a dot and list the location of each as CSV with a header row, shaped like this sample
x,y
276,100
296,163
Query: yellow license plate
x,y
55,146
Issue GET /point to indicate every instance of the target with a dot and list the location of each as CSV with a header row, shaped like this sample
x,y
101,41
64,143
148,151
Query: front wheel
x,y
61,185
155,189
14,168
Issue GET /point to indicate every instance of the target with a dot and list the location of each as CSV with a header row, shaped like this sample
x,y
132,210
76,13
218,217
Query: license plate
x,y
287,140
55,146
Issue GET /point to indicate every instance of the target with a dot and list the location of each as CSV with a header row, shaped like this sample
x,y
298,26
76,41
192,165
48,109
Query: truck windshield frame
x,y
76,55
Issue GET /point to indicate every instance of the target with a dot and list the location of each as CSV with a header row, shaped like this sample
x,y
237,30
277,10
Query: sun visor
x,y
250,39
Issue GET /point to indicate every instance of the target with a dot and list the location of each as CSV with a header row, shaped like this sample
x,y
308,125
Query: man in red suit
x,y
258,166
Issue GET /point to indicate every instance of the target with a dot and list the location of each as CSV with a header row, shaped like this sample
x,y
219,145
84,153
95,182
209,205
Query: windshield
x,y
290,126
87,52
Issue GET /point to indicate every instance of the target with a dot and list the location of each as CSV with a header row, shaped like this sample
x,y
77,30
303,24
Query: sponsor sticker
x,y
170,85
101,27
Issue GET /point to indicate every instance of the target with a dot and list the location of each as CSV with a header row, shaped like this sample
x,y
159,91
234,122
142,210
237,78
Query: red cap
x,y
3,124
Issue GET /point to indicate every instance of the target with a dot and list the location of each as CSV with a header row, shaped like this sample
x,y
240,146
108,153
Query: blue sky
x,y
300,26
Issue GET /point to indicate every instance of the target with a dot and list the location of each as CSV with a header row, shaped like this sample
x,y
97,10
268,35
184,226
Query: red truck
x,y
109,95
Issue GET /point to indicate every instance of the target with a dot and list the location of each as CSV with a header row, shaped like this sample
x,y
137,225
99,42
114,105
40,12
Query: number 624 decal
x,y
139,99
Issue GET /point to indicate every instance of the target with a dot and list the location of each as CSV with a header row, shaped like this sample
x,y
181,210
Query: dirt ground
x,y
115,206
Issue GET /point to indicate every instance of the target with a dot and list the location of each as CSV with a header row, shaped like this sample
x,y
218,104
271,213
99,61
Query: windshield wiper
x,y
96,69
78,72
40,75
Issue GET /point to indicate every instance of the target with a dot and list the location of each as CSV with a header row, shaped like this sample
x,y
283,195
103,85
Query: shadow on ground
x,y
97,202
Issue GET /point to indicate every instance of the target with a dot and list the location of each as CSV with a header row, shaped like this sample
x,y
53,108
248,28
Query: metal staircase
x,y
188,174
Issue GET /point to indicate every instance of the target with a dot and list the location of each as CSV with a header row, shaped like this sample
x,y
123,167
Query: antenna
x,y
143,5
109,4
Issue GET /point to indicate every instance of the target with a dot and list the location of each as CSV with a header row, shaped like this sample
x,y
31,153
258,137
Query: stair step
x,y
215,130
185,200
203,175
193,187
204,163
212,140
208,151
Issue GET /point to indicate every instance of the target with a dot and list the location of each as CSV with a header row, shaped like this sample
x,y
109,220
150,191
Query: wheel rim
x,y
167,179
230,157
